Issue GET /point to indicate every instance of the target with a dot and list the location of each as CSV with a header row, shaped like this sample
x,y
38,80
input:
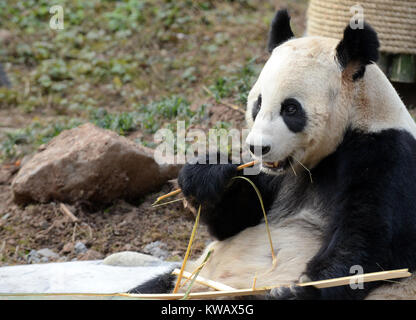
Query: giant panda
x,y
338,175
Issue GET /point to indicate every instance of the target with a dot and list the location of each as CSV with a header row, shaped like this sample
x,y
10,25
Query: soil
x,y
122,226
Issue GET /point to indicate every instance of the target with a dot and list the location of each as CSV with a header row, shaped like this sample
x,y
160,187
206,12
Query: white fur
x,y
237,260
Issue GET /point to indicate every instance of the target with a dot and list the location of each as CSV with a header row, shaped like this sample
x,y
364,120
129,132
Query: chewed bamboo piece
x,y
206,282
188,251
177,191
342,281
195,275
274,259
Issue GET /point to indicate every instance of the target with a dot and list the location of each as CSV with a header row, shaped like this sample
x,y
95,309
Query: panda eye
x,y
290,107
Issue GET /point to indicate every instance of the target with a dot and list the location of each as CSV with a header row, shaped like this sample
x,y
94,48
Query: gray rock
x,y
33,257
157,249
80,248
92,164
48,253
131,259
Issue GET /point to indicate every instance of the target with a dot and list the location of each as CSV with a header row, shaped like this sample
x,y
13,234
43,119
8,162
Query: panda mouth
x,y
277,165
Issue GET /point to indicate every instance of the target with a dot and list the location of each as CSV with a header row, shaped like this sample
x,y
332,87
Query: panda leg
x,y
163,283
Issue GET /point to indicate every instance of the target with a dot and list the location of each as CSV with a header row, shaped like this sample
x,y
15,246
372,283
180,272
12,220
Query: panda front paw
x,y
205,183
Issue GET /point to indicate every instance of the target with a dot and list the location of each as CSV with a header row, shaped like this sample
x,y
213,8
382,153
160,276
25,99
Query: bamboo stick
x,y
188,251
366,277
206,282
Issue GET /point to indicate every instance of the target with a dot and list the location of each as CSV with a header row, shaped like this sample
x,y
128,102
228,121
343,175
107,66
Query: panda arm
x,y
373,225
228,205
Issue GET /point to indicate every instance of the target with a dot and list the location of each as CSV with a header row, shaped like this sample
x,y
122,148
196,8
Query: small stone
x,y
90,255
5,35
62,259
127,247
44,225
33,257
80,248
157,249
131,259
48,253
68,247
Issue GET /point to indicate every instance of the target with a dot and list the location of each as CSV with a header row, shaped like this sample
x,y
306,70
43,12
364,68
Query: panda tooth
x,y
276,164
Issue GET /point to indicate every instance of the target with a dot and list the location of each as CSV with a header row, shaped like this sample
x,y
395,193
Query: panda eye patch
x,y
256,107
293,115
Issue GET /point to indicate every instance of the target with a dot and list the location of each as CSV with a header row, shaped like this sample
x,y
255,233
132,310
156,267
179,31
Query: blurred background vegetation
x,y
129,66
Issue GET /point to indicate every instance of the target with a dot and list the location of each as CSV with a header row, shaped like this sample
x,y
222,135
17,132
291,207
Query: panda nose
x,y
264,149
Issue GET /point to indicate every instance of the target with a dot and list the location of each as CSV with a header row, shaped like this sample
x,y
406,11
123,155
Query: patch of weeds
x,y
121,123
148,144
222,88
155,114
238,84
9,97
126,15
222,125
244,80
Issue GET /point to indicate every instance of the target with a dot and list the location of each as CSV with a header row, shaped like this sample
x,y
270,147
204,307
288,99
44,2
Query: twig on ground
x,y
67,212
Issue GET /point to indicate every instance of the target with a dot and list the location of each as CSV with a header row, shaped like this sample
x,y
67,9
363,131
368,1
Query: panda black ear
x,y
279,30
358,48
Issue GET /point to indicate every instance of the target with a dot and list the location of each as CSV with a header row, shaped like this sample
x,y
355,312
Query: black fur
x,y
280,30
228,206
160,284
373,221
369,185
359,46
256,108
296,121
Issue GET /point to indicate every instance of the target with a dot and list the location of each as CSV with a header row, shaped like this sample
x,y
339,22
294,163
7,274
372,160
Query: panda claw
x,y
283,293
304,278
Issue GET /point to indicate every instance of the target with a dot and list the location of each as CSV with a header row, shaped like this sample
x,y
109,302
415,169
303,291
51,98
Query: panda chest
x,y
296,238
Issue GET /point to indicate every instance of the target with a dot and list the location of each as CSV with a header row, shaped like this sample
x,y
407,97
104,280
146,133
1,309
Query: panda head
x,y
299,107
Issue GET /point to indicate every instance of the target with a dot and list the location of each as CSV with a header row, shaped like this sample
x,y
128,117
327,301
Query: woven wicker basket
x,y
394,21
